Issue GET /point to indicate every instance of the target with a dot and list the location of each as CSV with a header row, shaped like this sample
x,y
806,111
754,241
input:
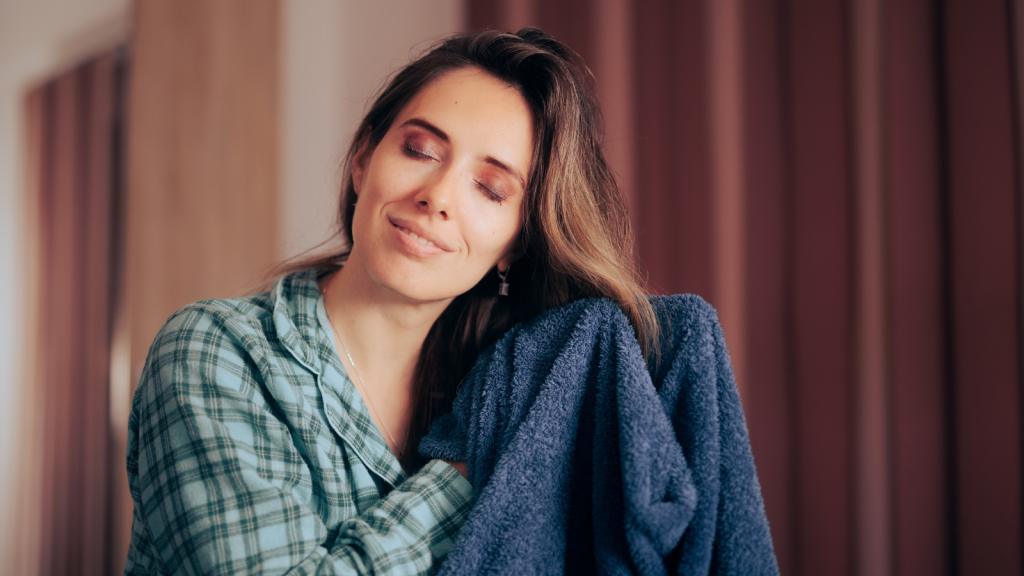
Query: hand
x,y
460,466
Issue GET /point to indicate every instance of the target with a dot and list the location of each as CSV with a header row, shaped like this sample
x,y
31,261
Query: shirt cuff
x,y
450,498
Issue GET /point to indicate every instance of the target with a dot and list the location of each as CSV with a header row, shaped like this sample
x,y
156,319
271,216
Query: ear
x,y
360,160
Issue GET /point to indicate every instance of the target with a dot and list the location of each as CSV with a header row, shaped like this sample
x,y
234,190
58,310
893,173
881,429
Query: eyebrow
x,y
426,126
488,159
508,169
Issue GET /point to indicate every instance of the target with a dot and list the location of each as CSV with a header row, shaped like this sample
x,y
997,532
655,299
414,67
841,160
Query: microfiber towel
x,y
583,461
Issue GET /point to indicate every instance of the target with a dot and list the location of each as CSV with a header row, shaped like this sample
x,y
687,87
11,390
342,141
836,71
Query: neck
x,y
382,330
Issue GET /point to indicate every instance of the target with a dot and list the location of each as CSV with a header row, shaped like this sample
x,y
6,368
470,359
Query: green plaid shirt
x,y
251,452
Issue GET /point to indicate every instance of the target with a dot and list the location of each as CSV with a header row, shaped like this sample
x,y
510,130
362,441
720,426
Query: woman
x,y
277,432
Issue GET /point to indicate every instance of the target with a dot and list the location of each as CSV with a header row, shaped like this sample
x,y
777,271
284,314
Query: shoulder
x,y
237,341
212,345
207,324
208,359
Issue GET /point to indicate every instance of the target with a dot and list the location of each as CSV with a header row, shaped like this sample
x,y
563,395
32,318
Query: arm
x,y
402,534
220,486
460,466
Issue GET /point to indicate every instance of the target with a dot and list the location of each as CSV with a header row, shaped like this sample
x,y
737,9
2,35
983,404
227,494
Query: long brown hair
x,y
576,237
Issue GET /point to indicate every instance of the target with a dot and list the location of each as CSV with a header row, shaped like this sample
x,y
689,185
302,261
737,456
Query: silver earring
x,y
503,287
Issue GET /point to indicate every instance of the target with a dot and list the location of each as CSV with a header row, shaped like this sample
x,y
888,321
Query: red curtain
x,y
878,332
77,119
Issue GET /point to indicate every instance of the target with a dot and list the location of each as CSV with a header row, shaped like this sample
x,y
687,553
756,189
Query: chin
x,y
417,280
417,286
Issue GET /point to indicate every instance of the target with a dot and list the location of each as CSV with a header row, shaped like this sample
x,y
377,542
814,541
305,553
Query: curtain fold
x,y
77,119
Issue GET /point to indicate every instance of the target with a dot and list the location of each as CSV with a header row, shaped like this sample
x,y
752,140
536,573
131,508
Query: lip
x,y
400,223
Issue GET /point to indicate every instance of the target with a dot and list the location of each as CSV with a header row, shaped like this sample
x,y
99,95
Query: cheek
x,y
495,232
380,184
380,188
389,175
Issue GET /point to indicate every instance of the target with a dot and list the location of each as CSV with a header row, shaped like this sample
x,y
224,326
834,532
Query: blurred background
x,y
842,179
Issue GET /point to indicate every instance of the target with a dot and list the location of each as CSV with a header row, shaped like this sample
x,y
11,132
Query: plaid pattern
x,y
250,451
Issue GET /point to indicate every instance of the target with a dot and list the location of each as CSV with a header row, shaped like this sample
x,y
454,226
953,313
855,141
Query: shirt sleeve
x,y
404,532
205,472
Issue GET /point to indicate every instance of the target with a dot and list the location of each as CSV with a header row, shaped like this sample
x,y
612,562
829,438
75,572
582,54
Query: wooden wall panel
x,y
202,156
202,161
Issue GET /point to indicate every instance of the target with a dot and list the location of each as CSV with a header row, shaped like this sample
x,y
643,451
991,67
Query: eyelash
x,y
409,150
412,152
490,194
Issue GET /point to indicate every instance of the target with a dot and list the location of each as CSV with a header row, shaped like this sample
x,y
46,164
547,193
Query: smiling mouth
x,y
419,239
413,235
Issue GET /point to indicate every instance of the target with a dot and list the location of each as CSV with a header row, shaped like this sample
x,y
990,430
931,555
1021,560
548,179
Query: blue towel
x,y
583,462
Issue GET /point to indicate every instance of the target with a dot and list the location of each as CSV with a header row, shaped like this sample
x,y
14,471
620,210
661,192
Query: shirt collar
x,y
301,323
295,300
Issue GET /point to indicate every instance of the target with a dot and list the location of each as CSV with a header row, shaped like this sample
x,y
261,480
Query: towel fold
x,y
584,463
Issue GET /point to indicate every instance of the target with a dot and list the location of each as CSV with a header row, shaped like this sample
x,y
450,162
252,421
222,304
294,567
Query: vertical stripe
x,y
516,14
1016,33
984,257
612,66
872,531
768,402
28,517
64,324
821,282
727,177
571,21
480,14
675,221
97,289
914,277
118,527
47,367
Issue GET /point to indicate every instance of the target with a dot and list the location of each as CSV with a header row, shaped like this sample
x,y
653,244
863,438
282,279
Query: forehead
x,y
471,105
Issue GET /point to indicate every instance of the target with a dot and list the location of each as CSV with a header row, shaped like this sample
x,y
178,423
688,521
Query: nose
x,y
438,195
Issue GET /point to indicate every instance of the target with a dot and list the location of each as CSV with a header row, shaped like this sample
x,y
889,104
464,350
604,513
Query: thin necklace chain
x,y
401,451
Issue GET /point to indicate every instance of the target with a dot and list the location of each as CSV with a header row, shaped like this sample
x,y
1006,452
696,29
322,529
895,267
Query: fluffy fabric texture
x,y
586,461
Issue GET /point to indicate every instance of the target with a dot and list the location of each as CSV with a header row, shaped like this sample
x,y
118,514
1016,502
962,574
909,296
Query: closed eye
x,y
490,193
419,154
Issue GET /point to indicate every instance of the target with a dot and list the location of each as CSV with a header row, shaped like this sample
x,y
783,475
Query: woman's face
x,y
440,197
